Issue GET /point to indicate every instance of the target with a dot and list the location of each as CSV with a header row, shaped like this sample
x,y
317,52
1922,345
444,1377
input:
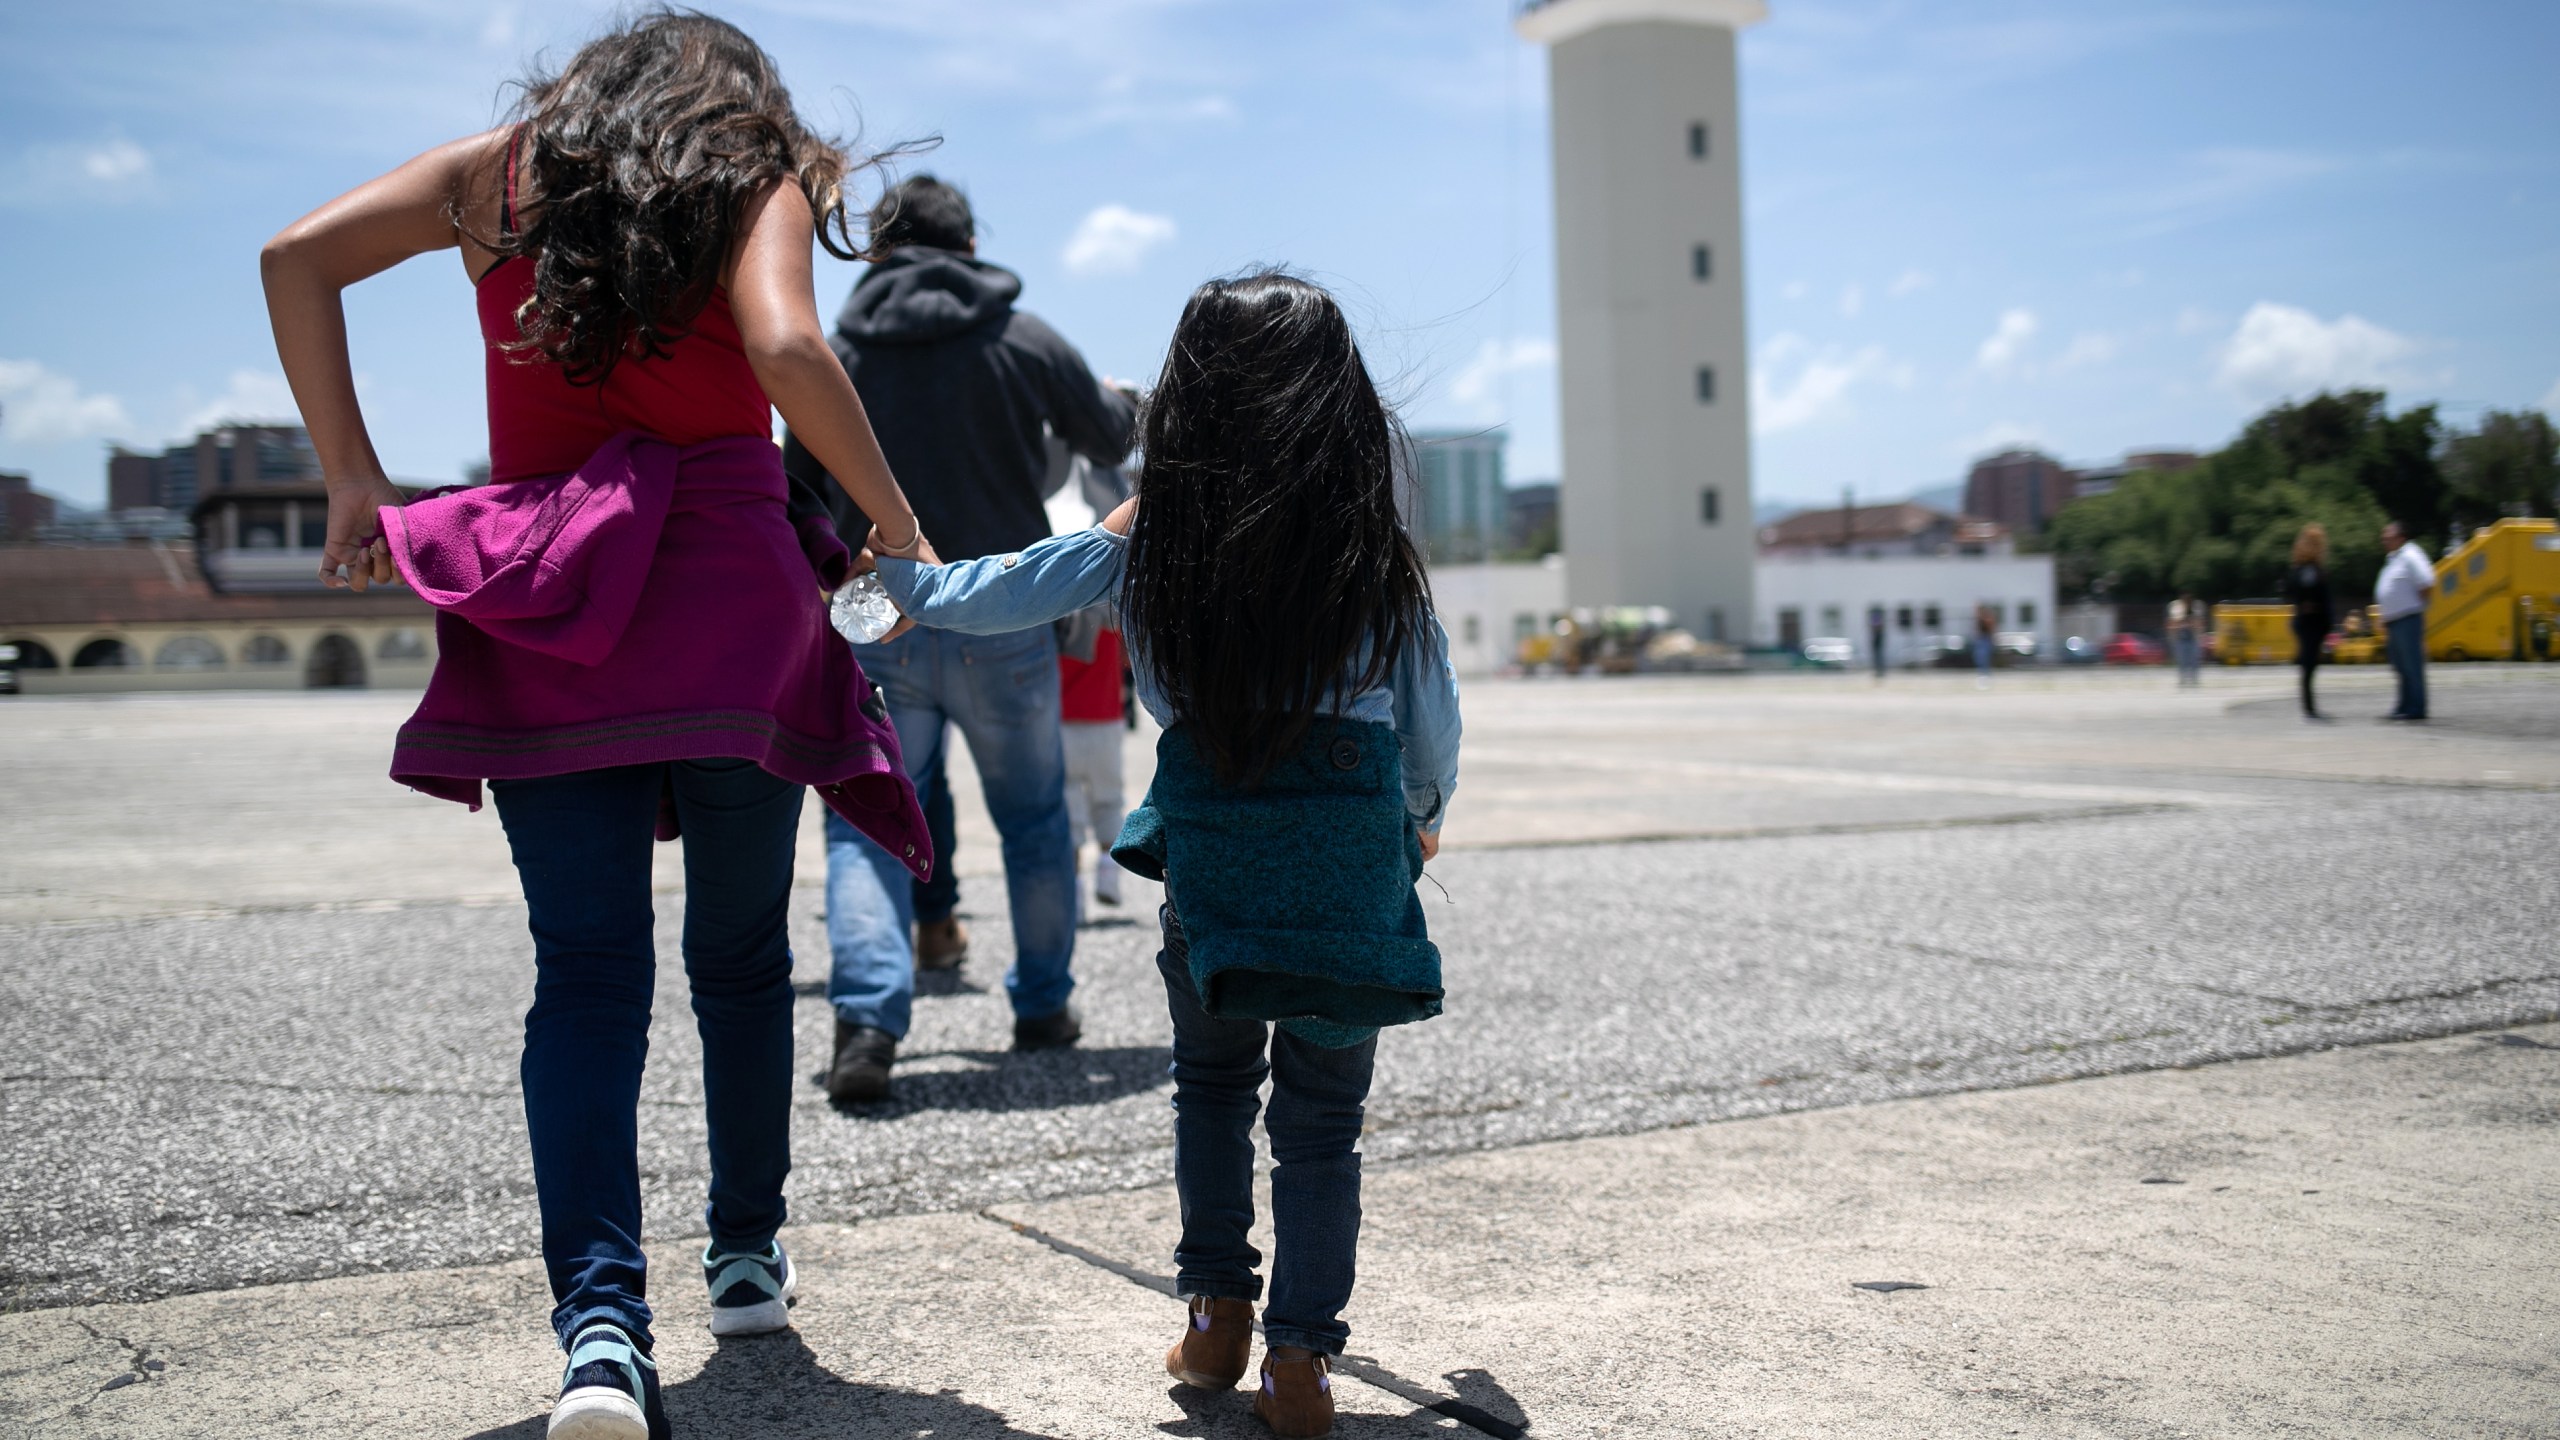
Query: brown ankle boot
x,y
1297,1393
1214,1346
941,944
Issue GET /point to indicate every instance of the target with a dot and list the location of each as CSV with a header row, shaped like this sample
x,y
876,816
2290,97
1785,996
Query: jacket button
x,y
911,852
1346,754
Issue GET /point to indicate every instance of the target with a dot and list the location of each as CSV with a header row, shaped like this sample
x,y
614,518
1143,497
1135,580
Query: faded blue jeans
x,y
582,848
2404,641
1319,1098
1001,692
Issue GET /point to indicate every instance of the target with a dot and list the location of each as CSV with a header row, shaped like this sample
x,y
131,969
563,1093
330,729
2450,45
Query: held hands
x,y
1430,843
355,544
866,560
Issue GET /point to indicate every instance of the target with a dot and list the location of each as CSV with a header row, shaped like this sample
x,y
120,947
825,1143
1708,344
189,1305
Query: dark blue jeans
x,y
582,844
2405,641
1318,1097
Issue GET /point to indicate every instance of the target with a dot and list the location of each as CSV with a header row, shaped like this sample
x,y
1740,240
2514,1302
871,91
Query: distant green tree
x,y
2225,528
2511,462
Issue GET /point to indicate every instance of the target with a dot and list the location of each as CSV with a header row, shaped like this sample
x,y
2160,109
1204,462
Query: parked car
x,y
1830,652
2079,650
1945,652
2132,649
2014,647
8,669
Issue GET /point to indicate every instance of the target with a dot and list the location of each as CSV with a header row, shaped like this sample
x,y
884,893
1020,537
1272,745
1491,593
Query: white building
x,y
1649,324
1489,609
1807,596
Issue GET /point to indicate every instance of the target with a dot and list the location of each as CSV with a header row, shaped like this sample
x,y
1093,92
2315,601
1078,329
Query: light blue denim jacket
x,y
1066,573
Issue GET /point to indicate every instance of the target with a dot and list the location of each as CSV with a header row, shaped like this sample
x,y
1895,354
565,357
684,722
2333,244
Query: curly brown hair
x,y
638,160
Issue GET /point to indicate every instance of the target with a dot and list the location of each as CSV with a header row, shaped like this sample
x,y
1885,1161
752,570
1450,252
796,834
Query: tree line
x,y
2224,528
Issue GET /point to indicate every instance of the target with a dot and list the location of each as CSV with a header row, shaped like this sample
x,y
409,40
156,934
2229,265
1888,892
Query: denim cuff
x,y
567,1325
1304,1340
1249,1288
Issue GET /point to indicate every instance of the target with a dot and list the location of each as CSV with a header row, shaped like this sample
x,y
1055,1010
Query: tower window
x,y
1697,139
1701,262
1706,384
1708,505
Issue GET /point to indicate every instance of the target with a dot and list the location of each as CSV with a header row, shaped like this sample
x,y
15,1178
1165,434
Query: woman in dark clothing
x,y
2307,586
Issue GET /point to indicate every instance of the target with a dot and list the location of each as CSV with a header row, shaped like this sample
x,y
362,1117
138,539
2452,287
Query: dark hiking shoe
x,y
1048,1032
941,944
860,1071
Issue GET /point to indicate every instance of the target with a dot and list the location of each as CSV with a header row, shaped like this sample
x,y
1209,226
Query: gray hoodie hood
x,y
919,295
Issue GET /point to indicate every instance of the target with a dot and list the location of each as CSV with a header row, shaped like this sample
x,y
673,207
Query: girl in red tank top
x,y
631,635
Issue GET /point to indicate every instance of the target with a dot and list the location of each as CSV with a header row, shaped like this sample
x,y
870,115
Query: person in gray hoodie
x,y
963,391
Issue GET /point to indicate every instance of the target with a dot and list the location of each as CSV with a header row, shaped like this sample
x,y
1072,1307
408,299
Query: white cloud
x,y
1113,239
1853,299
39,406
253,395
2196,320
1910,282
2551,399
1820,385
2089,347
1478,384
115,162
2007,340
1794,290
2286,350
498,32
115,169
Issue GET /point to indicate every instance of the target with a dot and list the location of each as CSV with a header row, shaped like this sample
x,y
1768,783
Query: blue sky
x,y
2090,226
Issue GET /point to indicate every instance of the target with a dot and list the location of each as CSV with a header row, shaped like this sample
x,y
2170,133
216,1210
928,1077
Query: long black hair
x,y
639,159
1268,559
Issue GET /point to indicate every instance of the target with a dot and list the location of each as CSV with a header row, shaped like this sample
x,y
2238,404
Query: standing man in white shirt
x,y
2401,593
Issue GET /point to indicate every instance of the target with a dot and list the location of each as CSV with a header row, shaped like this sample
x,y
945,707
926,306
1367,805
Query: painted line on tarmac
x,y
1853,779
1364,1370
1838,827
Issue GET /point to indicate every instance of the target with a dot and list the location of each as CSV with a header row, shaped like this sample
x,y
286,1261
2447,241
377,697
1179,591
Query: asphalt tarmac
x,y
260,1010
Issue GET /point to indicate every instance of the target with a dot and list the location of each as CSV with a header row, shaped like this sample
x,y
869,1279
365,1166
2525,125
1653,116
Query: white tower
x,y
1648,196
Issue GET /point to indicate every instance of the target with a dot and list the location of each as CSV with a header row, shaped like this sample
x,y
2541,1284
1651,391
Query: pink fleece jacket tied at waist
x,y
655,604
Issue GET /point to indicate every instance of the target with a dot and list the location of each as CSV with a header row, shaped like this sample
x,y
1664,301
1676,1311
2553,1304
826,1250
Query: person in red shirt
x,y
1094,716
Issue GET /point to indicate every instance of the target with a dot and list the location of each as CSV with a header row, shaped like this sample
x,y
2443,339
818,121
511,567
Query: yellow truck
x,y
2253,632
2498,595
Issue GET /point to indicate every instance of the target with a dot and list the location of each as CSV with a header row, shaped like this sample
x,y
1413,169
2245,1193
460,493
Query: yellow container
x,y
2253,634
2498,594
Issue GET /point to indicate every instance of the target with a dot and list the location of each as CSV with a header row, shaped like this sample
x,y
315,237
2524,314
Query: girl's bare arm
x,y
773,295
361,233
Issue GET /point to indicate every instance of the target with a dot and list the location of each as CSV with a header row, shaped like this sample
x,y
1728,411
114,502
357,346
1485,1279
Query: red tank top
x,y
540,424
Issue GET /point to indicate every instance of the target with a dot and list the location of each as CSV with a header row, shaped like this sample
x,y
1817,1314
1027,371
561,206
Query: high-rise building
x,y
228,457
24,509
1462,495
2022,489
1649,325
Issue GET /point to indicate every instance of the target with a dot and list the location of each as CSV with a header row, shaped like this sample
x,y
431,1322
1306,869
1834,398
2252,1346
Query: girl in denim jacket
x,y
1280,628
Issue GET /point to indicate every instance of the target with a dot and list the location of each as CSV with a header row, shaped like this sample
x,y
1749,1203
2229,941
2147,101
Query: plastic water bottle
x,y
861,611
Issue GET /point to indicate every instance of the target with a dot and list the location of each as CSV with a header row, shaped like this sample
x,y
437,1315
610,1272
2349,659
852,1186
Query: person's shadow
x,y
1009,1080
773,1386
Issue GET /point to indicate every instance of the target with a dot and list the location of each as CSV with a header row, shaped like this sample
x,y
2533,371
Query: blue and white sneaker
x,y
750,1290
610,1390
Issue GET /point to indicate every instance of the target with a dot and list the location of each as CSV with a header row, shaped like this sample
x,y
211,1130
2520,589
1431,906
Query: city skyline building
x,y
1652,369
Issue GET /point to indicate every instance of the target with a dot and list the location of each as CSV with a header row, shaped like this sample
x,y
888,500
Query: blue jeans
x,y
2405,641
936,898
1001,691
1318,1099
581,844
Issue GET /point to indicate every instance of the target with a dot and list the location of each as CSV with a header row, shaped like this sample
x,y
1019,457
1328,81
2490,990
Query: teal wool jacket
x,y
1297,894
